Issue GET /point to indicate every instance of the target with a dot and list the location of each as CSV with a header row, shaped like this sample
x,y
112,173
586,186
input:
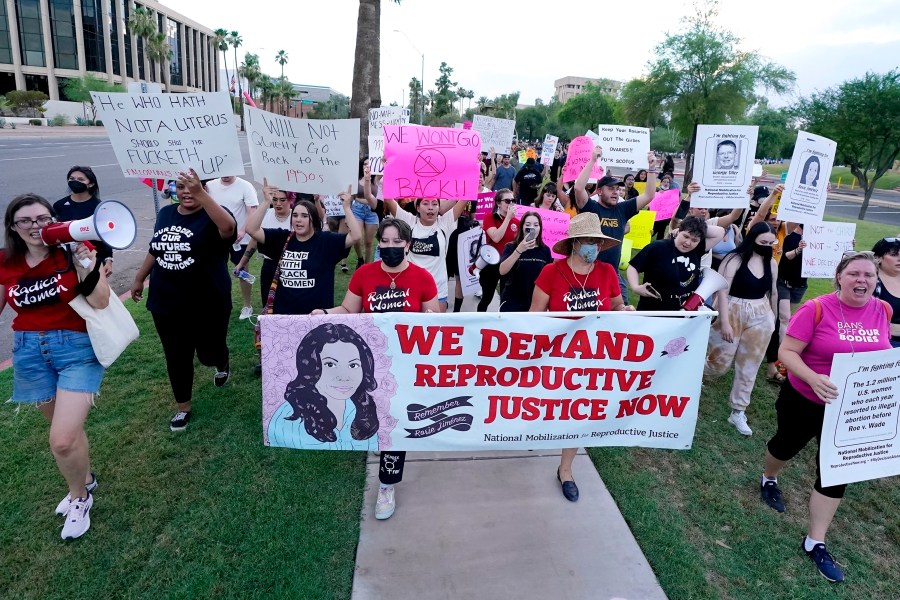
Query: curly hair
x,y
311,406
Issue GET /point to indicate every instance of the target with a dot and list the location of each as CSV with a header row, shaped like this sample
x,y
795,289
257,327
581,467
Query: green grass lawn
x,y
888,181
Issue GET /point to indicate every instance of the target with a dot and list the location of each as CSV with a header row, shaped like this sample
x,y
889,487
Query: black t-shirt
x,y
529,180
517,286
673,274
190,263
789,270
612,223
67,209
306,280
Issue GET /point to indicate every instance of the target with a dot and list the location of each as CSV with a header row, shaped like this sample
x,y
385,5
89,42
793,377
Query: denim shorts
x,y
44,361
794,294
364,213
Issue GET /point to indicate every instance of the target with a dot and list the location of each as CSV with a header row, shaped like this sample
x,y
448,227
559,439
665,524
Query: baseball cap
x,y
760,191
607,180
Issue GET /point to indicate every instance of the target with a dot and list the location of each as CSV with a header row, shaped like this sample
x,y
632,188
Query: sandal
x,y
776,379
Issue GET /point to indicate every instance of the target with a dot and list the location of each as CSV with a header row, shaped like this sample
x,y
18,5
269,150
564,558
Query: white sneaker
x,y
739,420
63,507
78,519
385,505
246,313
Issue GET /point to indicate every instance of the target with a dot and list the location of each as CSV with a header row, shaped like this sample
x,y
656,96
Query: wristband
x,y
654,171
86,286
517,251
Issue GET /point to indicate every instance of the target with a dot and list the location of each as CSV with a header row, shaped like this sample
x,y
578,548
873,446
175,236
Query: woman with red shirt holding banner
x,y
500,228
578,283
54,365
392,284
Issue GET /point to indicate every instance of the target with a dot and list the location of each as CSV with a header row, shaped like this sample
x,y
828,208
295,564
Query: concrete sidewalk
x,y
496,525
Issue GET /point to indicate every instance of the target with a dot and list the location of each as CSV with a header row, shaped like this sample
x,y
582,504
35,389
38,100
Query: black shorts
x,y
237,255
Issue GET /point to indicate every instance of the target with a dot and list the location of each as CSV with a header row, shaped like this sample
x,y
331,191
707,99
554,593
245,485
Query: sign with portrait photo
x,y
724,163
806,185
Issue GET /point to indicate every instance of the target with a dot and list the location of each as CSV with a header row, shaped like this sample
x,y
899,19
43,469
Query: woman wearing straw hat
x,y
578,282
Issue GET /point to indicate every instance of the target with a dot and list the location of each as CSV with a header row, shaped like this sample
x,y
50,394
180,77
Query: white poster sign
x,y
625,146
806,186
466,253
303,155
386,115
826,242
724,162
476,381
162,135
859,431
334,206
548,150
496,133
376,154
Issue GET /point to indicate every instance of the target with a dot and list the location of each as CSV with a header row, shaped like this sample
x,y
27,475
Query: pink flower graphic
x,y
675,347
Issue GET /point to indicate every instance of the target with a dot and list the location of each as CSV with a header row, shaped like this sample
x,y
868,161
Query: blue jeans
x,y
44,361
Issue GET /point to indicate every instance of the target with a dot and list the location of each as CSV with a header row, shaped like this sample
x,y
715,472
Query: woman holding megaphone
x,y
81,204
54,365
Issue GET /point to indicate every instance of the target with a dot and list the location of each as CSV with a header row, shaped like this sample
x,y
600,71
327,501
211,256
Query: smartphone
x,y
531,235
653,291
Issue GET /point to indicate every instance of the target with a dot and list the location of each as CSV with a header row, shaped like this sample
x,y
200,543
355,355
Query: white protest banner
x,y
161,135
859,431
376,154
475,381
334,206
386,115
724,159
625,146
826,242
806,186
466,253
303,155
595,137
548,150
498,133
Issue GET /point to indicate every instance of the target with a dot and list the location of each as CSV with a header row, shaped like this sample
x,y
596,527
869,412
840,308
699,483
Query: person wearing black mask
x,y
80,204
526,182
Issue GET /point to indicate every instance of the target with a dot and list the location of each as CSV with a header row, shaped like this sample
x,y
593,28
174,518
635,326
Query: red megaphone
x,y
112,223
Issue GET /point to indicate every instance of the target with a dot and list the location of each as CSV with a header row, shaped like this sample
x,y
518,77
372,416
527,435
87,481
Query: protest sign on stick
x,y
725,155
580,153
624,146
665,204
466,253
431,162
555,224
806,185
376,154
476,381
859,431
386,115
495,132
334,206
161,135
825,244
548,150
303,155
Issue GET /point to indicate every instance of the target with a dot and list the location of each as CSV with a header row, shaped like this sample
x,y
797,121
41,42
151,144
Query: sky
x,y
496,48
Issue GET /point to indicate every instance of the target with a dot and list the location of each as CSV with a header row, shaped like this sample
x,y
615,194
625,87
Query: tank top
x,y
882,292
747,286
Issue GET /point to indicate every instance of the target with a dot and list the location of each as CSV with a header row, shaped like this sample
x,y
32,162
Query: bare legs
x,y
68,441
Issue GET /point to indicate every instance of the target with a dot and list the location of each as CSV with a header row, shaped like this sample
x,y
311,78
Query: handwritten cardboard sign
x,y
665,204
334,206
303,155
725,155
386,115
580,151
548,150
826,243
376,154
625,146
554,224
498,133
431,162
161,135
468,243
806,186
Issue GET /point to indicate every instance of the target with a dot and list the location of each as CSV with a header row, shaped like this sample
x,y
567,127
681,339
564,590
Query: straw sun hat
x,y
584,225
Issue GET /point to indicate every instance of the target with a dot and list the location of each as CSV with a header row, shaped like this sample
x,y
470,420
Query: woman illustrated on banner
x,y
329,405
811,170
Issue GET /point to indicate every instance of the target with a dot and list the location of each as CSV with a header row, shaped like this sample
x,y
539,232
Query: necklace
x,y
393,285
586,276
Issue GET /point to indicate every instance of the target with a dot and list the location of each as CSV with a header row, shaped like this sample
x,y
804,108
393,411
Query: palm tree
x,y
281,58
266,91
142,25
481,103
461,93
235,40
284,90
430,96
221,41
469,96
249,70
159,51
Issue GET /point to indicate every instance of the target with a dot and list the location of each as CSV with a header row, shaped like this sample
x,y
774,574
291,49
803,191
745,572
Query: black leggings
x,y
772,349
390,471
799,421
183,334
659,229
489,278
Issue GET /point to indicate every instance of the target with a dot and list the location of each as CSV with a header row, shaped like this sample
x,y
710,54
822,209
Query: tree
x,y
250,71
777,133
78,89
266,91
481,103
666,139
157,48
700,76
415,95
366,87
22,100
221,42
284,91
336,107
142,24
235,40
281,58
445,95
863,117
589,108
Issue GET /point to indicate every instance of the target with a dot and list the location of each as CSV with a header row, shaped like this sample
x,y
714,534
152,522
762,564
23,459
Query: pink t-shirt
x,y
867,328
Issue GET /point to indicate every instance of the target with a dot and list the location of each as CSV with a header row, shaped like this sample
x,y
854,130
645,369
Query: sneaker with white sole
x,y
179,421
385,505
246,313
78,519
63,507
739,420
220,378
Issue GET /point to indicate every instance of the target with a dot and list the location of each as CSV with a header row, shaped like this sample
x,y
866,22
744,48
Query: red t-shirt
x,y
508,237
565,287
39,295
413,287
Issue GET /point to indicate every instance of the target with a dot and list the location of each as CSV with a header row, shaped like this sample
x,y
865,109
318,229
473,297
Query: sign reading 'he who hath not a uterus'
x,y
162,135
313,156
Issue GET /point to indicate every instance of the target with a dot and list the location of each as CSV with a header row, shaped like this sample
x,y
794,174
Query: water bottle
x,y
246,277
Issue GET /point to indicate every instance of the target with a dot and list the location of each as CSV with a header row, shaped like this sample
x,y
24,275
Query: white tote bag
x,y
111,329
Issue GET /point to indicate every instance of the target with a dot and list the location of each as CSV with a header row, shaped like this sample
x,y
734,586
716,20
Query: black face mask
x,y
764,251
392,256
77,187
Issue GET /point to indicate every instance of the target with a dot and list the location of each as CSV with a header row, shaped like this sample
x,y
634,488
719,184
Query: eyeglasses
x,y
26,223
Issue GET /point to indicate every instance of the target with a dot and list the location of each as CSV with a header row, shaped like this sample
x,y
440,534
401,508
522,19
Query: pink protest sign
x,y
665,204
580,151
555,225
484,205
431,162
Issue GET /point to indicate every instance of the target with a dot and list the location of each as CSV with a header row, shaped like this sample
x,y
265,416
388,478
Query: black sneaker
x,y
179,421
824,562
771,495
221,377
257,370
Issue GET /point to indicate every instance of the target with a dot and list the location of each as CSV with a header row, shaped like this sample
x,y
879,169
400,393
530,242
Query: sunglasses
x,y
859,253
506,201
892,240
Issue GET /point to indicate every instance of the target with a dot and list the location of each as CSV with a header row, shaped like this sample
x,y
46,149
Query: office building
x,y
569,87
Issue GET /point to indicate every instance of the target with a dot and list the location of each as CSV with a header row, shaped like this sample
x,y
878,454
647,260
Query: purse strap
x,y
270,299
